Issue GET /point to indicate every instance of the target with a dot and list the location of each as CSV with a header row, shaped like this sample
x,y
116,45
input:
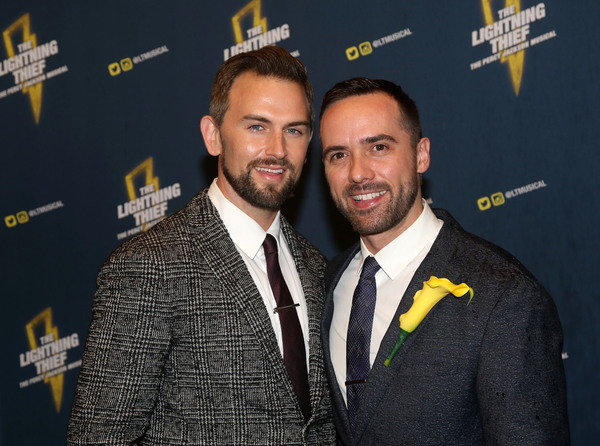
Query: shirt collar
x,y
401,251
246,233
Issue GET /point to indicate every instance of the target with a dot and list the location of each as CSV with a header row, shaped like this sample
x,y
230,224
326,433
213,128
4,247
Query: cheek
x,y
246,145
335,178
297,147
297,157
396,171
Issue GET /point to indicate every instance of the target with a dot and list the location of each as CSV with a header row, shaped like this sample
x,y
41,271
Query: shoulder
x,y
299,245
170,237
485,266
466,247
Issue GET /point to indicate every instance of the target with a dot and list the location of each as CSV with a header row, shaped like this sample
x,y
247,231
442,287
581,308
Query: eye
x,y
337,156
379,147
256,127
294,131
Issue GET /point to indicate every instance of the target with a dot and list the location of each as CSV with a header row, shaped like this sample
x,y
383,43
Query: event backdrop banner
x,y
100,104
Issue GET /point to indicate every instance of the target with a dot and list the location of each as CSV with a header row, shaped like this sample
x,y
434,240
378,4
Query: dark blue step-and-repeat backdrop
x,y
100,104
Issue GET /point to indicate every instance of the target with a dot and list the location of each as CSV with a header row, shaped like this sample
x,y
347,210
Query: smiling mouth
x,y
271,171
369,196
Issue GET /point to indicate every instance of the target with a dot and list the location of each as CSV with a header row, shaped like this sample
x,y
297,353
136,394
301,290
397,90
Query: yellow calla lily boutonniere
x,y
425,299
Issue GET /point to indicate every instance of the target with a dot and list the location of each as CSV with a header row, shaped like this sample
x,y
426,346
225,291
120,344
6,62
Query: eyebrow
x,y
365,140
377,138
256,118
268,121
331,149
298,123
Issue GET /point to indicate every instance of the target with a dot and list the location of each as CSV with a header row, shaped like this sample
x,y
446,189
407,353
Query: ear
x,y
212,135
423,155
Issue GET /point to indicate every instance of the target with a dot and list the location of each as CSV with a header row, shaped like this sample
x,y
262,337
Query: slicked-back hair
x,y
358,86
269,61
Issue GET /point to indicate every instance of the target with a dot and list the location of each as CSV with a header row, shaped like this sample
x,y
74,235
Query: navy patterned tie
x,y
359,337
294,353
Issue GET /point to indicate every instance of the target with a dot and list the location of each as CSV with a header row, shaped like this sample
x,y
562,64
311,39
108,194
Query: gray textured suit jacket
x,y
486,373
180,348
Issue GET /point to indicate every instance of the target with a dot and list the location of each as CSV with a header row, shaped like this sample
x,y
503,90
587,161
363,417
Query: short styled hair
x,y
358,86
269,61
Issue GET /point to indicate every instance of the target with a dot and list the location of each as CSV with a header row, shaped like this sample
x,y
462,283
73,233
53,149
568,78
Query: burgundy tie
x,y
294,353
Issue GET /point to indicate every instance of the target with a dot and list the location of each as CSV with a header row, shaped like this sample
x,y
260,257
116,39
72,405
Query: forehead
x,y
357,117
251,89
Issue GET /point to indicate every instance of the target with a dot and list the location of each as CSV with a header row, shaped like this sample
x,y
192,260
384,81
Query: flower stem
x,y
403,335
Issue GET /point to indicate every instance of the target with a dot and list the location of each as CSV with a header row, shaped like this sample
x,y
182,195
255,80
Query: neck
x,y
376,242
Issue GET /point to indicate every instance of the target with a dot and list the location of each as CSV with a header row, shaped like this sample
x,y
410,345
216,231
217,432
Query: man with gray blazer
x,y
485,371
205,329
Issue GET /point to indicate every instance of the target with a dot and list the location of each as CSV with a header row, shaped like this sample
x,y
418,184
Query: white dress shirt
x,y
398,260
248,237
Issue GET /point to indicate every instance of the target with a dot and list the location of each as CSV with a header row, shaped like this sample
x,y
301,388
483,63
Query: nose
x,y
276,146
360,170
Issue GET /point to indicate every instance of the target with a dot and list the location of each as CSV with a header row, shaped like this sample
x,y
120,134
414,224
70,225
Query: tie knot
x,y
270,245
370,268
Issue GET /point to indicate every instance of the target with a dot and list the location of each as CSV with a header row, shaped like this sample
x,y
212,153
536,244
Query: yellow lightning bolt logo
x,y
34,91
147,168
253,7
56,381
516,60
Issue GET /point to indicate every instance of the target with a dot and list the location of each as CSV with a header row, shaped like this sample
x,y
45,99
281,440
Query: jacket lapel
x,y
439,263
215,245
337,400
313,294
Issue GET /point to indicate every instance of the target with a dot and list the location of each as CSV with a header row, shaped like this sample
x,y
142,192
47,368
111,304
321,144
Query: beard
x,y
379,219
269,197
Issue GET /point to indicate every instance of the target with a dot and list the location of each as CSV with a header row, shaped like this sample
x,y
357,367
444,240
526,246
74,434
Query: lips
x,y
270,170
368,196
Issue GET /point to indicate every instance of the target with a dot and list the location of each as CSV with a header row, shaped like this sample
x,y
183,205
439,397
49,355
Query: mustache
x,y
355,189
270,162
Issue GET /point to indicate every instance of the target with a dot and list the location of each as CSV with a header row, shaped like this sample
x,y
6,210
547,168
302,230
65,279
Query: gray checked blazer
x,y
488,373
180,348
